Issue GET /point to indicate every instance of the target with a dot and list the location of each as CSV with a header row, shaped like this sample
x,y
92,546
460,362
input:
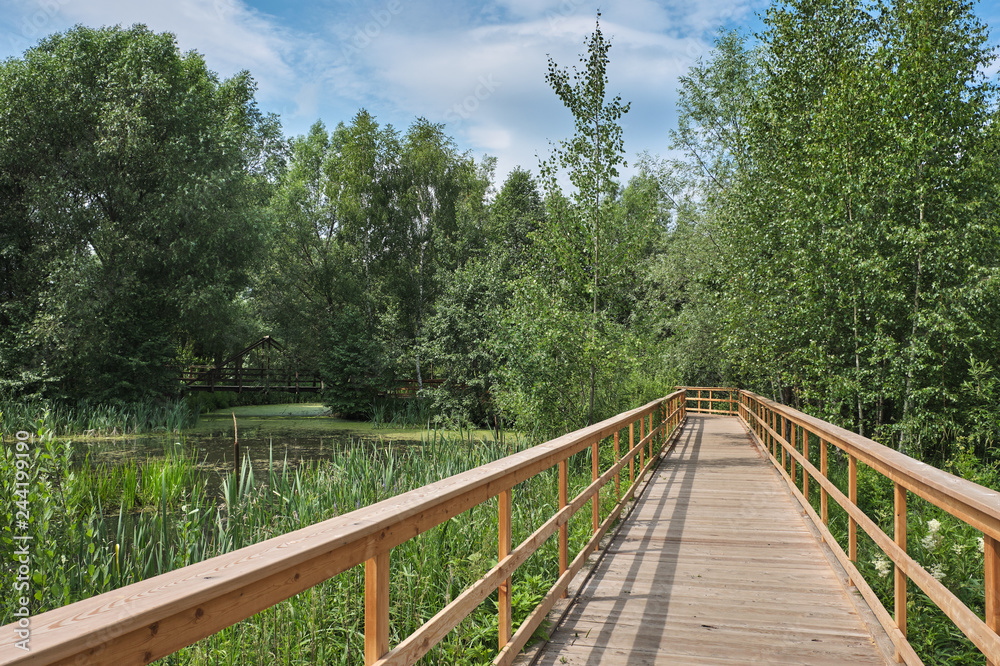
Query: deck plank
x,y
715,565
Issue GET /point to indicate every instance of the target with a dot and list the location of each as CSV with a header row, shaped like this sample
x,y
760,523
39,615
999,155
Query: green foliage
x,y
461,342
567,338
135,221
846,185
369,224
352,367
89,419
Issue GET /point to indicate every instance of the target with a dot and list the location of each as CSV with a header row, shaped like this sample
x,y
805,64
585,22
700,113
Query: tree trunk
x,y
420,313
857,368
912,361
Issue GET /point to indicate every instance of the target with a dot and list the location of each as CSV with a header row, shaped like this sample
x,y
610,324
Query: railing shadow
x,y
681,468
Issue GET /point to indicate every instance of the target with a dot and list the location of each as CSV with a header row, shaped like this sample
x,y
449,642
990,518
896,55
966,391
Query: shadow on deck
x,y
715,564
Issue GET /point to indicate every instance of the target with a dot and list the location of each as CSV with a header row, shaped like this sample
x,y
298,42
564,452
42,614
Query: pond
x,y
268,434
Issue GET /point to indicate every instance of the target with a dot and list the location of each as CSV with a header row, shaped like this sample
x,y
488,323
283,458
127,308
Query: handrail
x,y
778,427
694,401
158,616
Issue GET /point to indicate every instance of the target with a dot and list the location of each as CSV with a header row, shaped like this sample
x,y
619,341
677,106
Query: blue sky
x,y
478,67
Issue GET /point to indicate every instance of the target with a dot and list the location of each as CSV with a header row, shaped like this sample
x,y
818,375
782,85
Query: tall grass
x,y
95,419
101,534
388,412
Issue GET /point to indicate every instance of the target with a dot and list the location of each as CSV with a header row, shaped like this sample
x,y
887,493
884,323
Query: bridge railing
x,y
788,436
158,616
712,400
211,378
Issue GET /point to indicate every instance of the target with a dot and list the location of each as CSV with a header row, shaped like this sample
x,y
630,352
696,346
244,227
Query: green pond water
x,y
268,435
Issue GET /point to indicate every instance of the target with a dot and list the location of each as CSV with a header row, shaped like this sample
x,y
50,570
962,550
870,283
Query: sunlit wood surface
x,y
715,565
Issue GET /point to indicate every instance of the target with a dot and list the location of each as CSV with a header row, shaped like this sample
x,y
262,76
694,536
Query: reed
x,y
109,527
87,419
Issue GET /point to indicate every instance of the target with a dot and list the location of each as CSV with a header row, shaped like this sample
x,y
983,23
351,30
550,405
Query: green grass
x,y
104,527
85,419
313,419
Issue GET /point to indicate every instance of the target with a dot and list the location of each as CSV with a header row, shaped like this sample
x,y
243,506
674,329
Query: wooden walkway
x,y
715,565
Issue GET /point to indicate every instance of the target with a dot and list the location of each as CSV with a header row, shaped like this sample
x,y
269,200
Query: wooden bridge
x,y
266,365
714,553
253,370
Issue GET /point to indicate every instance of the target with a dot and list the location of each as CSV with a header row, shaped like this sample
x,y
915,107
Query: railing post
x,y
642,445
774,429
564,528
852,494
596,500
792,432
899,580
805,470
822,491
784,447
504,591
631,460
376,607
651,436
991,575
618,456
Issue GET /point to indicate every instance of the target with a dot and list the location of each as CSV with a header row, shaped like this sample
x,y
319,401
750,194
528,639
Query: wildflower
x,y
931,541
937,571
933,525
982,544
958,548
882,565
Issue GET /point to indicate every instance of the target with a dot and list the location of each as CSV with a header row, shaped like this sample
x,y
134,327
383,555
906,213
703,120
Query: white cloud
x,y
479,69
230,35
487,82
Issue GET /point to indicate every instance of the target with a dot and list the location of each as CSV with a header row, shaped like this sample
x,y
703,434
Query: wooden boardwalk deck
x,y
715,565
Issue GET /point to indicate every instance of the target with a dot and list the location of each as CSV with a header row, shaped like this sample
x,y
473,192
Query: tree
x,y
464,340
440,185
369,224
588,249
857,218
569,338
131,180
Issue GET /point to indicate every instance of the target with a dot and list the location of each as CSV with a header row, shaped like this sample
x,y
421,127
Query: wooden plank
x,y
631,445
504,591
563,529
697,571
376,607
823,501
991,576
899,578
595,508
852,524
618,477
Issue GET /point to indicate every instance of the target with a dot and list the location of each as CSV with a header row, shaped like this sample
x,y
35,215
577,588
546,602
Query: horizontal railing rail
x,y
787,435
703,400
158,616
225,379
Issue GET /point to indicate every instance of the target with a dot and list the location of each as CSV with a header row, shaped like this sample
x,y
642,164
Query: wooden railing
x,y
711,400
788,436
156,617
238,380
